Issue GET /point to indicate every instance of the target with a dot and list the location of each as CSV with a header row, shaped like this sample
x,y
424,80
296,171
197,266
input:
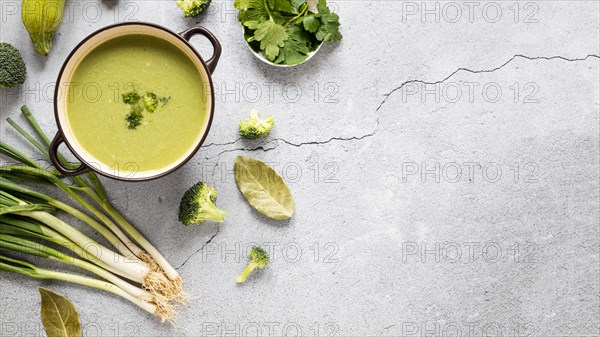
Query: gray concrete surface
x,y
445,171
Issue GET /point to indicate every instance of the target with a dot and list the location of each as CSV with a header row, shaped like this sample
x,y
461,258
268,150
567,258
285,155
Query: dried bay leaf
x,y
263,188
59,316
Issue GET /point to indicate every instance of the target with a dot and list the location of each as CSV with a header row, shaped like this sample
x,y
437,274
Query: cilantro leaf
x,y
272,36
296,48
248,4
297,3
252,24
311,23
251,10
278,18
257,15
284,6
329,29
322,7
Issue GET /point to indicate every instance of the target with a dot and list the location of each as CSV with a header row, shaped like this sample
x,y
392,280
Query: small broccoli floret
x,y
150,101
197,205
259,258
193,8
254,127
164,101
134,117
12,66
131,98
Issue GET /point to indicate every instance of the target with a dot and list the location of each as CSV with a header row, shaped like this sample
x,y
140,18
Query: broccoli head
x,y
134,117
12,66
192,8
150,101
259,258
131,98
254,127
197,205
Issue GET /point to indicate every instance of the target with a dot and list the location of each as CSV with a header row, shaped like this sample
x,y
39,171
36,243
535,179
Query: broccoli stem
x,y
215,214
244,275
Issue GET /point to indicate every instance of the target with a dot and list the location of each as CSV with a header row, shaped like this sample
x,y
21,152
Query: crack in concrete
x,y
265,147
261,148
275,143
222,144
200,249
547,58
330,139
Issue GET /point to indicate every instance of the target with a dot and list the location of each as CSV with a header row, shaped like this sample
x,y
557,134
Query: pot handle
x,y
211,63
53,152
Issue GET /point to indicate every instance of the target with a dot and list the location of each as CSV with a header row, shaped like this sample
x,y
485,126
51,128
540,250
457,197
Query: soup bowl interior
x,y
125,172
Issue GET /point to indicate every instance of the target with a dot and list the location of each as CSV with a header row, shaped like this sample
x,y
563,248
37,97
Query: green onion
x,y
122,242
134,271
21,245
27,269
30,228
24,216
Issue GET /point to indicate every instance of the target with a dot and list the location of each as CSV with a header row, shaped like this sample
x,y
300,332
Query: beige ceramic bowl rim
x,y
82,50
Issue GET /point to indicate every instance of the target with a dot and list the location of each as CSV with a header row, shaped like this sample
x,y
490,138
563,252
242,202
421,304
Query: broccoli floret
x,y
12,66
150,101
138,103
259,258
193,8
131,98
197,205
164,101
134,117
254,127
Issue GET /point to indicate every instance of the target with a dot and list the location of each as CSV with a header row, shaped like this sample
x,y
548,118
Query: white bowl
x,y
312,6
262,57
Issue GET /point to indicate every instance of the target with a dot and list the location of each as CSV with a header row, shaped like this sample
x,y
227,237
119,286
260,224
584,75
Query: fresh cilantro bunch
x,y
286,31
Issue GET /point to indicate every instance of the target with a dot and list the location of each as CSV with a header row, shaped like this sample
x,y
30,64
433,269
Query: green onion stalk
x,y
19,218
132,269
117,241
135,271
21,245
30,228
17,266
112,233
170,287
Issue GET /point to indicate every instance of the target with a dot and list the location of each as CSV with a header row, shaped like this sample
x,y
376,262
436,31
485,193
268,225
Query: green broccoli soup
x,y
136,103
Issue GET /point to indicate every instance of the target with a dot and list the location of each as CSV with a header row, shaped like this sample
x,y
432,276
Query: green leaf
x,y
251,10
296,48
248,4
252,24
278,18
285,6
322,7
257,15
329,29
311,23
59,316
272,36
263,188
298,3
